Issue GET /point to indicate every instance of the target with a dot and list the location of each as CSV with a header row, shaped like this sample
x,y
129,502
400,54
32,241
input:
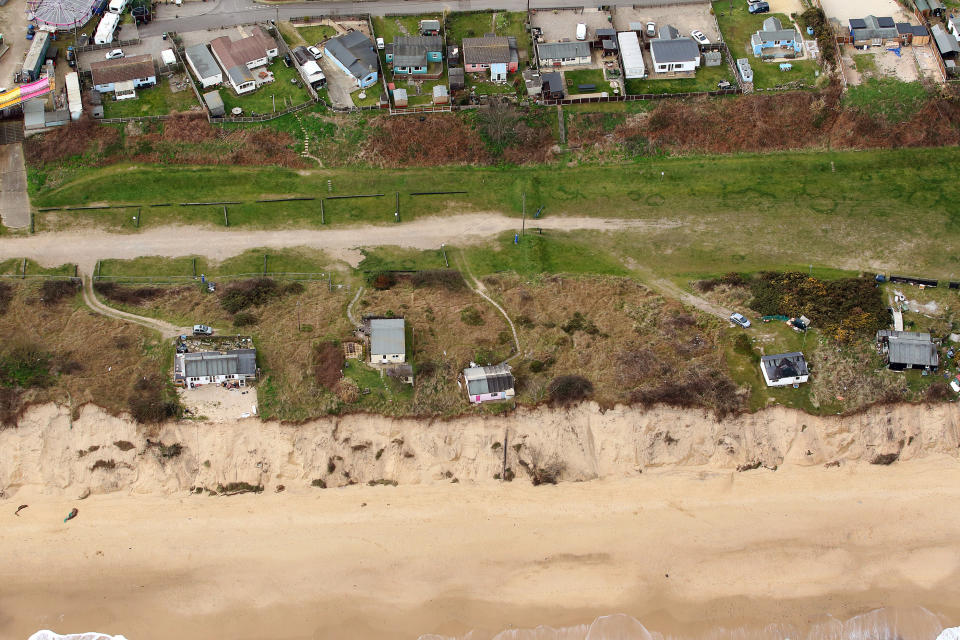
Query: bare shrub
x,y
54,291
328,360
569,389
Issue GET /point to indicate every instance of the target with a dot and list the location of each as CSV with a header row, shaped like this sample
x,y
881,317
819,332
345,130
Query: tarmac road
x,y
198,16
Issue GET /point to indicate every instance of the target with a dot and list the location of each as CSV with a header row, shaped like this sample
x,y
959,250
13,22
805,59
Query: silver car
x,y
739,319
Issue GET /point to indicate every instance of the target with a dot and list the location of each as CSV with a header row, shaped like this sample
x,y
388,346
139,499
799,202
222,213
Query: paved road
x,y
197,16
14,202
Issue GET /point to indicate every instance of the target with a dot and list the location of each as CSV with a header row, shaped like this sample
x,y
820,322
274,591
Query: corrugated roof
x,y
676,50
483,380
486,50
202,61
121,69
945,41
784,365
213,363
387,336
559,50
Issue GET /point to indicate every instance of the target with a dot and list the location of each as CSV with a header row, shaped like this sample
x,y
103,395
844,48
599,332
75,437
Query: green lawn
x,y
315,34
372,96
705,80
281,91
767,75
155,101
704,215
889,97
576,77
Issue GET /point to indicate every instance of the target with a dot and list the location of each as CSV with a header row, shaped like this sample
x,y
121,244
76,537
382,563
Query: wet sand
x,y
683,551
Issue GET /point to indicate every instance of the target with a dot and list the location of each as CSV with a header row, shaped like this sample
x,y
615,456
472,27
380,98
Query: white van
x,y
581,31
117,6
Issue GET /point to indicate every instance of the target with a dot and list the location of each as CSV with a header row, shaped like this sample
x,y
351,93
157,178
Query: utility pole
x,y
444,250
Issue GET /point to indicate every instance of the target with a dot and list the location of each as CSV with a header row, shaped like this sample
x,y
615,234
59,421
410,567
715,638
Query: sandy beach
x,y
682,551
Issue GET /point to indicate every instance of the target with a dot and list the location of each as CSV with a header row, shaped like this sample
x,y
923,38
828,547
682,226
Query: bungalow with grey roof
x,y
412,55
774,41
355,55
672,54
563,54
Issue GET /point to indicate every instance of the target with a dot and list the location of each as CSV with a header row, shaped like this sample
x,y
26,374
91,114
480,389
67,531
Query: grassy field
x,y
705,80
281,92
840,209
894,100
248,263
159,100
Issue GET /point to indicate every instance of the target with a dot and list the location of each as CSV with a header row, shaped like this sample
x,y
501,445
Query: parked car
x,y
202,330
758,7
116,53
739,319
651,29
581,31
315,53
699,37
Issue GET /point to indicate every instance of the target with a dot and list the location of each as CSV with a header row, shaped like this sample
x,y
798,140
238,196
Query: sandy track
x,y
86,247
166,329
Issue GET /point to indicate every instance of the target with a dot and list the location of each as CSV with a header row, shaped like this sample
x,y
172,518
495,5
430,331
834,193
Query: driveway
x,y
339,84
14,202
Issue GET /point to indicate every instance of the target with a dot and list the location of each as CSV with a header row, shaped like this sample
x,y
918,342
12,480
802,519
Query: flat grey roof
x,y
675,50
558,50
387,336
202,61
214,363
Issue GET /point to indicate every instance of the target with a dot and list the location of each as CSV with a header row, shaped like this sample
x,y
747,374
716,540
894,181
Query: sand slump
x,y
100,453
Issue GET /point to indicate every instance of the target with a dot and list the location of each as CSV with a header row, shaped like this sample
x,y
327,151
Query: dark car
x,y
758,7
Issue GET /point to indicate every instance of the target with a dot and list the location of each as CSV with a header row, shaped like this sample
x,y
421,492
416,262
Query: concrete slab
x,y
685,18
14,202
561,24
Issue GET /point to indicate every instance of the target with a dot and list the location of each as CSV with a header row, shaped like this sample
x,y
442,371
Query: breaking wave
x,y
889,623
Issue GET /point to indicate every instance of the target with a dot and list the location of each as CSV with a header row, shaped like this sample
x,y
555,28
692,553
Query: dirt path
x,y
86,247
166,329
352,318
479,288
